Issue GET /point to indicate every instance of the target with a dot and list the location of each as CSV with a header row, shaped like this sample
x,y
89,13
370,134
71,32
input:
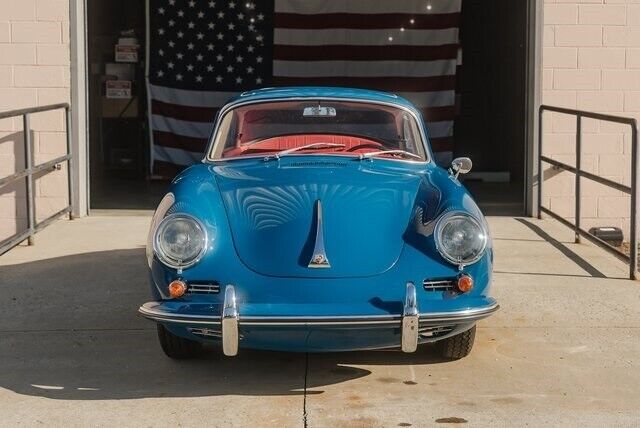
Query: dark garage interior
x,y
489,126
118,137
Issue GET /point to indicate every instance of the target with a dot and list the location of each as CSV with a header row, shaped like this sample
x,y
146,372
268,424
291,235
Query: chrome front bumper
x,y
230,320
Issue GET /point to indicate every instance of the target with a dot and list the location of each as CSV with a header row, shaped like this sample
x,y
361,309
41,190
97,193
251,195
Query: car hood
x,y
272,209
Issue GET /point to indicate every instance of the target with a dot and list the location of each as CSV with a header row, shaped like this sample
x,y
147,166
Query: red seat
x,y
276,144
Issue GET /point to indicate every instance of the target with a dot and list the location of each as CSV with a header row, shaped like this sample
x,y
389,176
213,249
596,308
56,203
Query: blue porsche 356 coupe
x,y
317,222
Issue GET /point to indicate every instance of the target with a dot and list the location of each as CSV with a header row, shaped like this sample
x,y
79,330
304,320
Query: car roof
x,y
283,93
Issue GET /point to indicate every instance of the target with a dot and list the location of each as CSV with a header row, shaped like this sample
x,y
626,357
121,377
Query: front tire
x,y
177,347
458,346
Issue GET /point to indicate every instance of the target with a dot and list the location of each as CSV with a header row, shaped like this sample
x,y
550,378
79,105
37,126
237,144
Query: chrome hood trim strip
x,y
319,259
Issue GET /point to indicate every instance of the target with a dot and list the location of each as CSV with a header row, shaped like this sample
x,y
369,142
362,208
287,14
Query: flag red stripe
x,y
363,21
188,113
439,114
387,83
167,139
166,169
364,53
442,144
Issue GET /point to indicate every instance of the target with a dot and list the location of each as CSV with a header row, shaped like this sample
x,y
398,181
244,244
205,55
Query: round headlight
x,y
180,241
460,238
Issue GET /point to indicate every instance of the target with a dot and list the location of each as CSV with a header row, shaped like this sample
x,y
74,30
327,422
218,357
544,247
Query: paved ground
x,y
564,350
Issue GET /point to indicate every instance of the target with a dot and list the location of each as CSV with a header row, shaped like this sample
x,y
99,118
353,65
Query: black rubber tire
x,y
458,346
177,347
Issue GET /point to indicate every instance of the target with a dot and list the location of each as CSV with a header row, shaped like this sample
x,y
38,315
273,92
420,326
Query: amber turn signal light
x,y
465,283
177,289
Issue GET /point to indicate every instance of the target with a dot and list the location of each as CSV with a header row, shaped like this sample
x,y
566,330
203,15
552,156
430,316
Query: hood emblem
x,y
319,259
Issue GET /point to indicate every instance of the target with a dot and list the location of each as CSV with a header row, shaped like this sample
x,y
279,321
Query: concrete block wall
x,y
34,71
591,61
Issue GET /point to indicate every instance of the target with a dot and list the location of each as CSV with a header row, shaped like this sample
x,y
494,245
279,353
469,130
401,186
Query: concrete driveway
x,y
562,351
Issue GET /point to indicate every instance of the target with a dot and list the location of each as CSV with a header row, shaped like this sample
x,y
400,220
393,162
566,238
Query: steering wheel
x,y
371,145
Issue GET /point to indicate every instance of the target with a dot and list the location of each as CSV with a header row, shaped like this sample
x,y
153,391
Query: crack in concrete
x,y
304,398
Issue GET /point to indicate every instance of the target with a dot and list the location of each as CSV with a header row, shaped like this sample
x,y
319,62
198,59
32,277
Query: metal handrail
x,y
31,170
632,190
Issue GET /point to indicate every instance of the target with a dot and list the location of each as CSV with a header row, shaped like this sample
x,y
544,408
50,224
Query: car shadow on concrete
x,y
70,331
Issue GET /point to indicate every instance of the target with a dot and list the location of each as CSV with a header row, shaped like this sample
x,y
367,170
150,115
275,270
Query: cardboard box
x,y
113,108
126,53
118,89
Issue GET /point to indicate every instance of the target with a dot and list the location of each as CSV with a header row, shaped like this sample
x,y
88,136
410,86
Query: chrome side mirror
x,y
460,166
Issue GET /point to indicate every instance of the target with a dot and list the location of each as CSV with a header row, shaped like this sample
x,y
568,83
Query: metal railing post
x,y
540,172
578,172
633,265
31,170
633,190
28,164
70,163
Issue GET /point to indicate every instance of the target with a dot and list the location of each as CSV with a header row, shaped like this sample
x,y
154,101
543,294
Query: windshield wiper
x,y
390,152
308,146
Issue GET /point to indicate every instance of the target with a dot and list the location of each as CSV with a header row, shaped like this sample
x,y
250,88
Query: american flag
x,y
201,53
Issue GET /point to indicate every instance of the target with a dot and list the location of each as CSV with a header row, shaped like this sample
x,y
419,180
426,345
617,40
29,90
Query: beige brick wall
x,y
34,71
591,61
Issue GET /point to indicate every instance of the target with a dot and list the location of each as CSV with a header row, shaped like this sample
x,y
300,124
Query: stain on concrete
x,y
451,420
386,379
506,400
354,401
360,422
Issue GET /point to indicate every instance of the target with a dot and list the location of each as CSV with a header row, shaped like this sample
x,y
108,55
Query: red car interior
x,y
276,144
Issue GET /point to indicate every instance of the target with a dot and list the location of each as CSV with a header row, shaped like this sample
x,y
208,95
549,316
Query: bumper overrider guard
x,y
230,336
230,321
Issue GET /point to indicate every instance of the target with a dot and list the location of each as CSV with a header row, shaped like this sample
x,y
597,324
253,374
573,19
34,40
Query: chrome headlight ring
x,y
176,263
165,204
482,236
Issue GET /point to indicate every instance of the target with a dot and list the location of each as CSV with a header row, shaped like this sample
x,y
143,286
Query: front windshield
x,y
327,127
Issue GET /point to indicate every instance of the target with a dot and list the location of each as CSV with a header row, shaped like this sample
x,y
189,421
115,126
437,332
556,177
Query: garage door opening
x,y
480,48
490,127
120,176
